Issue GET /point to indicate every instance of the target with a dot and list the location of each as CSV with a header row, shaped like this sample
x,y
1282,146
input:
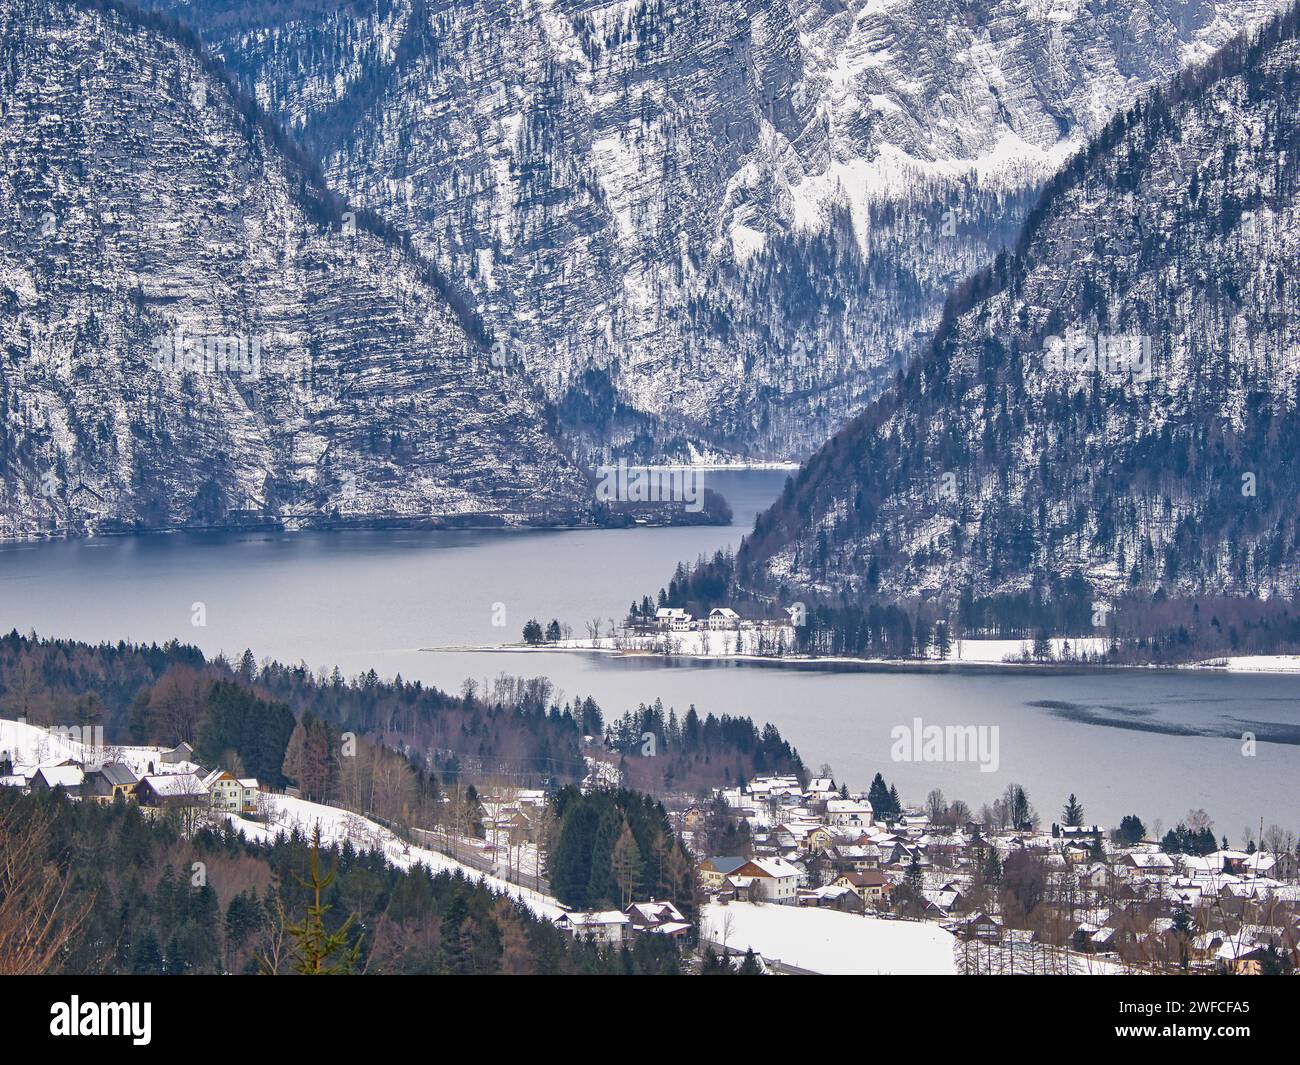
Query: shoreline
x,y
840,663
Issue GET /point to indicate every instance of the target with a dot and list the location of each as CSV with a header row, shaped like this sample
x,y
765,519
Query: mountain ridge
x,y
1004,462
275,358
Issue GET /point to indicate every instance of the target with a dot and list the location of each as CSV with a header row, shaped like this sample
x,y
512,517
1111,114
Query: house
x,y
228,794
171,789
182,752
1152,863
606,927
659,918
721,617
947,899
673,618
68,776
979,925
854,857
848,813
812,837
820,789
869,885
777,880
110,780
832,897
741,888
713,871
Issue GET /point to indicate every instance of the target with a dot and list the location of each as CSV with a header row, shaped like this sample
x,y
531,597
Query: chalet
x,y
777,879
978,925
658,918
182,752
812,837
171,789
868,886
1151,863
713,871
69,776
852,813
228,794
854,857
947,899
673,619
820,789
740,888
721,617
775,787
1077,853
606,927
109,781
832,897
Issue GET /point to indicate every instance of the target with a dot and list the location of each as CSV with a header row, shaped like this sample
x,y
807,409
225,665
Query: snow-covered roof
x,y
67,776
776,867
173,784
655,912
595,918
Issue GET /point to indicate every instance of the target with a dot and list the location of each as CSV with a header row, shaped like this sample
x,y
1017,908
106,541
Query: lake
x,y
1155,743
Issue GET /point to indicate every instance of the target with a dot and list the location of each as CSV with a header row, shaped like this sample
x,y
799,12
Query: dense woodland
x,y
134,896
610,848
285,724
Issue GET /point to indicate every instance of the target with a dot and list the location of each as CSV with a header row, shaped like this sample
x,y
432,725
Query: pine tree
x,y
315,951
1072,815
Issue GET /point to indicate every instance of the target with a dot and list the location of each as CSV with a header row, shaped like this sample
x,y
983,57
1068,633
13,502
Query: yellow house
x,y
105,783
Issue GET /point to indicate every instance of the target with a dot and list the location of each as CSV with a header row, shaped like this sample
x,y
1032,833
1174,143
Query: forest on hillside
x,y
93,889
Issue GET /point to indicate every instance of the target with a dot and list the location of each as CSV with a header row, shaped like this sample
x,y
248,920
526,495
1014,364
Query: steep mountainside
x,y
1117,399
193,331
733,216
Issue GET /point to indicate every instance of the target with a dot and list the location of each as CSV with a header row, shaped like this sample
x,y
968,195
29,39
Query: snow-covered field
x,y
337,826
31,746
772,642
1254,664
996,652
745,644
831,942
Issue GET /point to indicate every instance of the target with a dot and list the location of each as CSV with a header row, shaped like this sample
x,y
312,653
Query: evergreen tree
x,y
316,951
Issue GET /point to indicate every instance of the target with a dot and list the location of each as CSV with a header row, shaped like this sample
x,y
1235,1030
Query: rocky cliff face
x,y
193,331
719,225
1115,403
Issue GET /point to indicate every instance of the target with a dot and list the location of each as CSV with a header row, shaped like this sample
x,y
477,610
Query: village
x,y
157,779
818,871
1070,898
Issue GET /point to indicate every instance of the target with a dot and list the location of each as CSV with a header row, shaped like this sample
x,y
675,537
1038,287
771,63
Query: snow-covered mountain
x,y
1116,402
194,331
722,223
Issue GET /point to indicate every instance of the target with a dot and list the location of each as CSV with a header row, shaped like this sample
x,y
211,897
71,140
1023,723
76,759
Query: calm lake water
x,y
1152,743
